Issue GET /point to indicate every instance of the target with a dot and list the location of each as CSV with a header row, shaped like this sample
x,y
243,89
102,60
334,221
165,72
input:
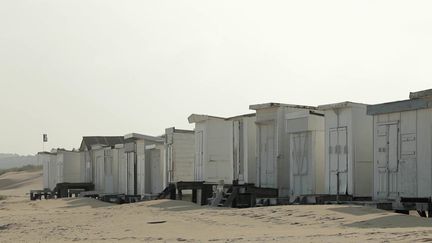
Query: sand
x,y
76,219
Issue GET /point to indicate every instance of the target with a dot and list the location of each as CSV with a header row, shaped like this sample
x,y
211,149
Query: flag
x,y
45,138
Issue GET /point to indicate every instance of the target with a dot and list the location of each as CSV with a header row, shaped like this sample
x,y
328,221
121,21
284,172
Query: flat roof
x,y
194,118
421,94
137,136
175,130
45,152
240,116
345,104
272,104
88,141
398,106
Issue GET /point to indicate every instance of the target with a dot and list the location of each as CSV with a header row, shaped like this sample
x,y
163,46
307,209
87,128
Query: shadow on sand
x,y
393,221
357,210
85,202
175,205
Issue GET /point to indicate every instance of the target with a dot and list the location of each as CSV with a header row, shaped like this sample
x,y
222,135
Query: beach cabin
x,y
97,157
349,150
402,141
224,148
276,131
145,164
243,148
61,166
213,159
304,131
179,155
49,164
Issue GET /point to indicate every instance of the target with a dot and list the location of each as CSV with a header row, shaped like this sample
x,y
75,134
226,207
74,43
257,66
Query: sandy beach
x,y
77,219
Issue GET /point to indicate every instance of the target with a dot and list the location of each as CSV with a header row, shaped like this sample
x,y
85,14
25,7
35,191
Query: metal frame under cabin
x,y
403,152
271,146
348,150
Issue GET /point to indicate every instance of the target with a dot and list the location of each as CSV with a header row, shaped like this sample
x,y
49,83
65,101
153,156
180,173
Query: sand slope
x,y
172,221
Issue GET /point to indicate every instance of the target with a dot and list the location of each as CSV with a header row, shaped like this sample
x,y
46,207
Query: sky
x,y
102,67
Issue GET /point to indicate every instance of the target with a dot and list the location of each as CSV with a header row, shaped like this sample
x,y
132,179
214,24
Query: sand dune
x,y
17,184
78,219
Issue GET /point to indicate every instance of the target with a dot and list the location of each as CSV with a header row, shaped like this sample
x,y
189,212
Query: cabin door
x,y
338,157
60,177
238,158
108,161
267,158
131,173
156,176
99,180
387,160
169,163
300,156
199,156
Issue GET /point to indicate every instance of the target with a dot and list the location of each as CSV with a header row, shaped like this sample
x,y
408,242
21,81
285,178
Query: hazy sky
x,y
74,68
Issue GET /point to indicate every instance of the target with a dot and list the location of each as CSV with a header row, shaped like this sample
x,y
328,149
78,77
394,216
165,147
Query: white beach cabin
x,y
179,155
402,135
278,127
349,149
305,132
49,164
145,164
97,155
61,166
224,148
213,160
243,148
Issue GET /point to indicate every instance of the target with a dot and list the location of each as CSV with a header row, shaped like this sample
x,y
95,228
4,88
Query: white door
x,y
236,150
387,160
338,157
100,180
130,173
108,175
46,174
156,176
60,178
267,158
300,157
407,167
199,154
170,163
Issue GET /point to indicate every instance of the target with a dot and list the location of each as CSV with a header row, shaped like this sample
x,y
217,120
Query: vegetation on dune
x,y
2,197
22,168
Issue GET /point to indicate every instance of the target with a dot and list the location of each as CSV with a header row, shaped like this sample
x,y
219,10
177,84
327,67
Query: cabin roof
x,y
345,104
194,118
137,136
398,106
175,130
241,116
89,141
272,104
421,94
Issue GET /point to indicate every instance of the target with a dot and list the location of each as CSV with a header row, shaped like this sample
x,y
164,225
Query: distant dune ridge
x,y
14,160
